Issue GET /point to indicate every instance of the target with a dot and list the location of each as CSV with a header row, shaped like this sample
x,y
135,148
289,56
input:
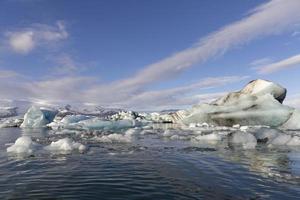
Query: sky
x,y
146,55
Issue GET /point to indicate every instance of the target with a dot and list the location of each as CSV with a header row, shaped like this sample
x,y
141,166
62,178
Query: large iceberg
x,y
259,103
38,117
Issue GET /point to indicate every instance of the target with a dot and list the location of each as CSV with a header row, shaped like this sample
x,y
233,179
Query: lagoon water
x,y
147,168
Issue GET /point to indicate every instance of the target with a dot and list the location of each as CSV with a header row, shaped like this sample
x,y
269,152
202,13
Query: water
x,y
148,168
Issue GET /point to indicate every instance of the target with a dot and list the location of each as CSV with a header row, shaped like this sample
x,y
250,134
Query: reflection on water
x,y
149,168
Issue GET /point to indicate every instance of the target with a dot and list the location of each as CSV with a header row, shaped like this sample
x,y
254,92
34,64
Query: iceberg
x,y
100,124
22,146
258,103
65,145
66,122
11,122
115,138
38,117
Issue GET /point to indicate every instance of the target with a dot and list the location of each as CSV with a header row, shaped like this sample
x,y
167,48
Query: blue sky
x,y
145,54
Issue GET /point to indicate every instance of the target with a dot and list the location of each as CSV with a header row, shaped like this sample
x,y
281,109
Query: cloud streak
x,y
74,90
271,18
280,65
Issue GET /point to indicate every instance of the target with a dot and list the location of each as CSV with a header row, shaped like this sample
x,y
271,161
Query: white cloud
x,y
280,65
25,40
22,42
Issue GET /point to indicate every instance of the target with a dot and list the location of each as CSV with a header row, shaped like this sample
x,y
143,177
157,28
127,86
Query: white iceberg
x,y
100,124
259,103
209,137
38,117
115,138
11,122
67,122
65,145
23,145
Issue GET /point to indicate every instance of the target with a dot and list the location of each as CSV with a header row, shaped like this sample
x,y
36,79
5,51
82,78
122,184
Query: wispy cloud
x,y
75,90
280,65
65,64
261,61
270,18
26,39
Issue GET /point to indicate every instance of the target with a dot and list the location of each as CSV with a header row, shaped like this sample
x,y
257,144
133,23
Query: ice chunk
x,y
8,112
133,131
23,145
236,126
65,145
244,128
157,117
11,122
38,117
209,137
96,124
247,140
74,118
115,138
67,122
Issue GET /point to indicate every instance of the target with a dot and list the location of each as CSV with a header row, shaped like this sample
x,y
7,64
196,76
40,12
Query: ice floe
x,y
65,145
23,146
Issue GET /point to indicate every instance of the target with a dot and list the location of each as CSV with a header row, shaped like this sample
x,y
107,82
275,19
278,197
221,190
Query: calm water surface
x,y
149,168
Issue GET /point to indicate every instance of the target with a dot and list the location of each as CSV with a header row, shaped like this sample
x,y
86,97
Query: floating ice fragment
x,y
236,126
65,145
11,122
209,137
114,138
23,145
